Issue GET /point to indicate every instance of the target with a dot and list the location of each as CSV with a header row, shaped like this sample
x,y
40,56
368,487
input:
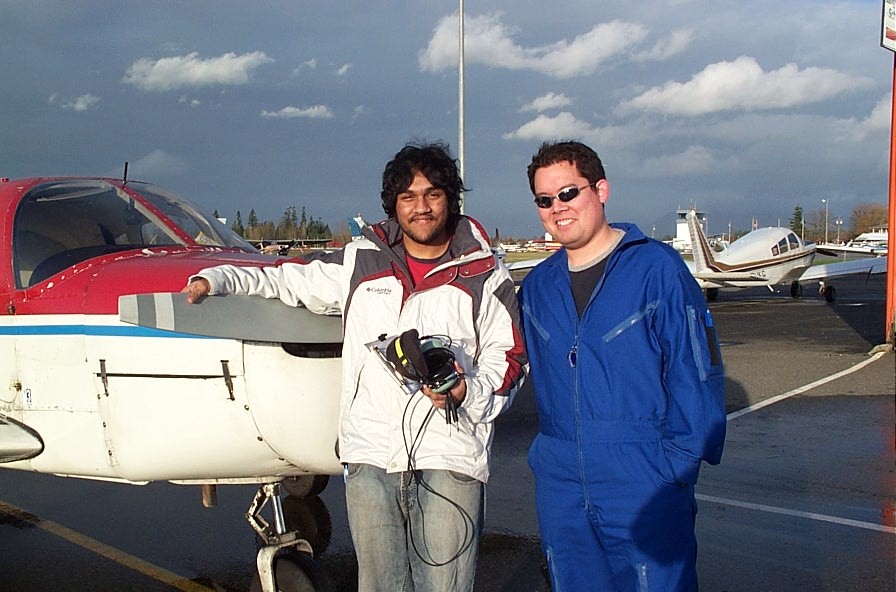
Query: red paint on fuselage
x,y
92,286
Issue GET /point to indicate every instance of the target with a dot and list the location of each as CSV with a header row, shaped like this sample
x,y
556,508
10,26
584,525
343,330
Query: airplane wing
x,y
837,250
724,279
720,279
869,266
18,441
232,316
527,264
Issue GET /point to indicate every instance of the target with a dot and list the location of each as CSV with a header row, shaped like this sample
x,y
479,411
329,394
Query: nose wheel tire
x,y
295,571
306,485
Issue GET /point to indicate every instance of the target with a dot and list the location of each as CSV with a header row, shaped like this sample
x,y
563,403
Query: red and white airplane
x,y
111,375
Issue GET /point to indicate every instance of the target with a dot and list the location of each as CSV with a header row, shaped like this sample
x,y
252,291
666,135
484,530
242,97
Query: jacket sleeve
x,y
316,284
693,378
501,365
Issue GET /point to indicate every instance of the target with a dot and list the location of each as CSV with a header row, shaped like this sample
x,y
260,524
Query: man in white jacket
x,y
416,459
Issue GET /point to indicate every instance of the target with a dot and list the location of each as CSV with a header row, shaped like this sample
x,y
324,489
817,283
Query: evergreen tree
x,y
303,225
238,225
796,221
287,227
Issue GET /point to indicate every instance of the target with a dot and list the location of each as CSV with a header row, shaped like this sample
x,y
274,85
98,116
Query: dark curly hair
x,y
434,161
585,159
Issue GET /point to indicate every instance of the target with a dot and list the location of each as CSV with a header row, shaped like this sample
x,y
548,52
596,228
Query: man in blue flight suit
x,y
630,389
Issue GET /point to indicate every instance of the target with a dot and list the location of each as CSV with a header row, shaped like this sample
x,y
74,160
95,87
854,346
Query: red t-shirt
x,y
420,267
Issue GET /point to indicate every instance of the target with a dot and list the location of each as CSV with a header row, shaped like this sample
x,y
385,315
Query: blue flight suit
x,y
630,401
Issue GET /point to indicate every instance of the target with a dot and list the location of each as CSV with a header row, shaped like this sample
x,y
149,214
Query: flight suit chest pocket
x,y
639,316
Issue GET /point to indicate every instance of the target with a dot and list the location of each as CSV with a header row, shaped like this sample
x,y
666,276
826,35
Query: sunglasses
x,y
565,195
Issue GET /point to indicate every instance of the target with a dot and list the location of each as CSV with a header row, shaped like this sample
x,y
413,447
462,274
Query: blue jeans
x,y
415,530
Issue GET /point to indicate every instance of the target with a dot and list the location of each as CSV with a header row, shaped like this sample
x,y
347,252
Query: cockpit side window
x,y
793,240
782,245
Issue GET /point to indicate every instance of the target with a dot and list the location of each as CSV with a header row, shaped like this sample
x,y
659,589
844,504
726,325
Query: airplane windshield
x,y
61,223
205,230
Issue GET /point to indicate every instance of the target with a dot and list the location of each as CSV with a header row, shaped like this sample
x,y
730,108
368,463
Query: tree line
x,y
292,225
812,225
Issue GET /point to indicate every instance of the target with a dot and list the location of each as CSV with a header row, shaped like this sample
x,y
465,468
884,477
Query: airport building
x,y
682,240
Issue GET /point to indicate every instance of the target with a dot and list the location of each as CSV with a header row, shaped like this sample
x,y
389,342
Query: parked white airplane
x,y
767,257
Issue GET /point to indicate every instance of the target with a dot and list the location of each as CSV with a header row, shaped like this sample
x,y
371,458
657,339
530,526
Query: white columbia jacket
x,y
469,299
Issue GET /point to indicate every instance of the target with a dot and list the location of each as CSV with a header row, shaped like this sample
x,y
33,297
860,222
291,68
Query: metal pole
x,y
825,202
460,96
890,320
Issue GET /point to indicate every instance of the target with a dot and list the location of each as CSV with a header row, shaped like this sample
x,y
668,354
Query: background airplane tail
x,y
355,224
703,257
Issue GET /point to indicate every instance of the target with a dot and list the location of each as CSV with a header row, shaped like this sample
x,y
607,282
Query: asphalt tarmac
x,y
802,501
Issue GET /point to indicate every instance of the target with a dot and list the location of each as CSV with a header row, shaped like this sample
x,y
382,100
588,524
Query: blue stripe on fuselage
x,y
95,331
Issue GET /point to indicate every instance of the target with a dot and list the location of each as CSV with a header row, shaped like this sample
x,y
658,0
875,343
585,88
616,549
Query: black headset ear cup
x,y
441,375
405,355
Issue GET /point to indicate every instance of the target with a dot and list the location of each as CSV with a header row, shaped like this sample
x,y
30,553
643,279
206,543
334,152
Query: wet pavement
x,y
803,498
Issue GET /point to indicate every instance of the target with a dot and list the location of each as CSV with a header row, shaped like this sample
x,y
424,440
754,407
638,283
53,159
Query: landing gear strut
x,y
285,562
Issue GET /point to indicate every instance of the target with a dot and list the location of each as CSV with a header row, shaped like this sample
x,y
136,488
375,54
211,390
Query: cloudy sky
x,y
746,109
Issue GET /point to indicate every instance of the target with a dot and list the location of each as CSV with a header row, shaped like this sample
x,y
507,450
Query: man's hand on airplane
x,y
197,289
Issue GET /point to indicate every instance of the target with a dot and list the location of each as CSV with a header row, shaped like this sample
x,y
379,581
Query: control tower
x,y
682,240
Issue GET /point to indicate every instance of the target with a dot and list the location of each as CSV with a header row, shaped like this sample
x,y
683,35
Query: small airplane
x,y
282,246
111,375
763,257
766,257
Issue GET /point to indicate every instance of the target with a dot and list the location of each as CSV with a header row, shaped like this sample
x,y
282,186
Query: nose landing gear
x,y
285,562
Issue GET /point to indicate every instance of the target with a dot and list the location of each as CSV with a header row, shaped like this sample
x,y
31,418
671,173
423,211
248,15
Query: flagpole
x,y
460,96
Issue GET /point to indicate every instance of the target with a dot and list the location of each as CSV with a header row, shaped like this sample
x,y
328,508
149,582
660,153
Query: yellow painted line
x,y
116,555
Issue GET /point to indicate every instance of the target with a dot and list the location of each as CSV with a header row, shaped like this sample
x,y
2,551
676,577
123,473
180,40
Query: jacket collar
x,y
469,252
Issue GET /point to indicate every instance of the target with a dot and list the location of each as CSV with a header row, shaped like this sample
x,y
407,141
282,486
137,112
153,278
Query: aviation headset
x,y
427,360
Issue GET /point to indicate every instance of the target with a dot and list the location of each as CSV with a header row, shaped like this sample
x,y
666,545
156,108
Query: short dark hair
x,y
583,157
434,161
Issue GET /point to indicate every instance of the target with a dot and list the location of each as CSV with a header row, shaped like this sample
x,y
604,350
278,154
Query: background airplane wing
x,y
828,270
837,250
527,264
731,276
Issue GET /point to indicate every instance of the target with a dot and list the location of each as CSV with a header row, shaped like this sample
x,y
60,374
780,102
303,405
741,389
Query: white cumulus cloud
x,y
313,112
546,102
670,46
82,103
544,127
489,42
190,71
878,121
742,85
